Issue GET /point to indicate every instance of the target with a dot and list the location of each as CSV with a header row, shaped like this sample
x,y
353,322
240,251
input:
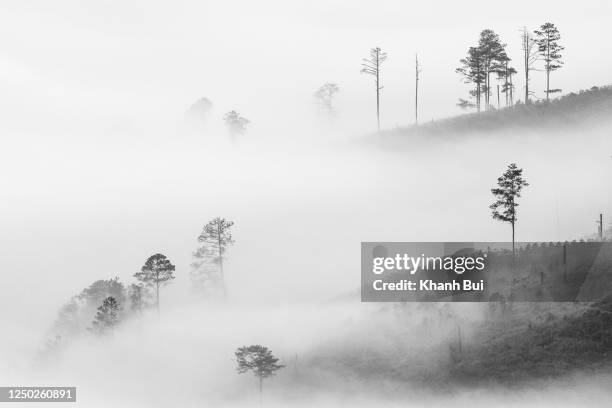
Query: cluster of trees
x,y
106,300
110,301
486,66
489,61
236,124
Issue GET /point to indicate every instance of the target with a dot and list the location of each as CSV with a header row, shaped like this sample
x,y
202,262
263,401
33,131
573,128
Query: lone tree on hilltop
x,y
107,316
547,40
155,273
258,360
509,187
372,66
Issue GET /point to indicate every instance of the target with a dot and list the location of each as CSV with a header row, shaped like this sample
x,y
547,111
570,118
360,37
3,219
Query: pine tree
x,y
259,360
235,123
137,294
509,187
493,56
550,50
505,73
107,316
215,237
487,58
155,273
472,70
325,95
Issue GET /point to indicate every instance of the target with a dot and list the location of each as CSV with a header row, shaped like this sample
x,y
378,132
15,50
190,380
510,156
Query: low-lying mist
x,y
302,198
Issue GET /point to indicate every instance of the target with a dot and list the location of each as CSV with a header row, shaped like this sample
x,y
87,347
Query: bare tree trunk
x,y
525,39
377,93
526,85
547,83
224,288
488,95
547,69
416,93
157,295
260,391
498,97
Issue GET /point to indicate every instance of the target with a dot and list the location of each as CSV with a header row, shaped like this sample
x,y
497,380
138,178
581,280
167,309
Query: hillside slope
x,y
571,109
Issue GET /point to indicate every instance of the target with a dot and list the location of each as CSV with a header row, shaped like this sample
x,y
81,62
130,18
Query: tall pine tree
x,y
547,40
509,187
216,237
157,271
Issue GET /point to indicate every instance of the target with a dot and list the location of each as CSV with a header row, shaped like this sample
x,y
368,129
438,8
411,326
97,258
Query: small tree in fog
x,y
137,295
199,110
509,187
258,360
325,95
235,123
155,273
372,66
100,290
107,316
215,237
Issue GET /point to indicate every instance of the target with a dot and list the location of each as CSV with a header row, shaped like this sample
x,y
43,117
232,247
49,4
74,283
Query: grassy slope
x,y
533,343
571,109
519,350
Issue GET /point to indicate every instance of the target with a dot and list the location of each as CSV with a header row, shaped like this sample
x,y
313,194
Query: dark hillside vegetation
x,y
520,350
568,110
525,344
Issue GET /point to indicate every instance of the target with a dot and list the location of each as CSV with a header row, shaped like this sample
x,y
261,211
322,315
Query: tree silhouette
x,y
548,46
417,73
199,110
510,185
215,237
137,294
235,123
488,57
493,57
155,273
107,316
325,95
530,56
472,70
258,360
505,73
371,66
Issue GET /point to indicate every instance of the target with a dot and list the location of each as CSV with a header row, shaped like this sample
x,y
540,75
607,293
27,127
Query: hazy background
x,y
99,170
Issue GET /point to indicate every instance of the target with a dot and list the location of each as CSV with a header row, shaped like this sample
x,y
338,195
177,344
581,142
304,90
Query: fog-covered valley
x,y
103,166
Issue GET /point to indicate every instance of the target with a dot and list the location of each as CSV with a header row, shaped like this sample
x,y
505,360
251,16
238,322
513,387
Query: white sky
x,y
114,59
